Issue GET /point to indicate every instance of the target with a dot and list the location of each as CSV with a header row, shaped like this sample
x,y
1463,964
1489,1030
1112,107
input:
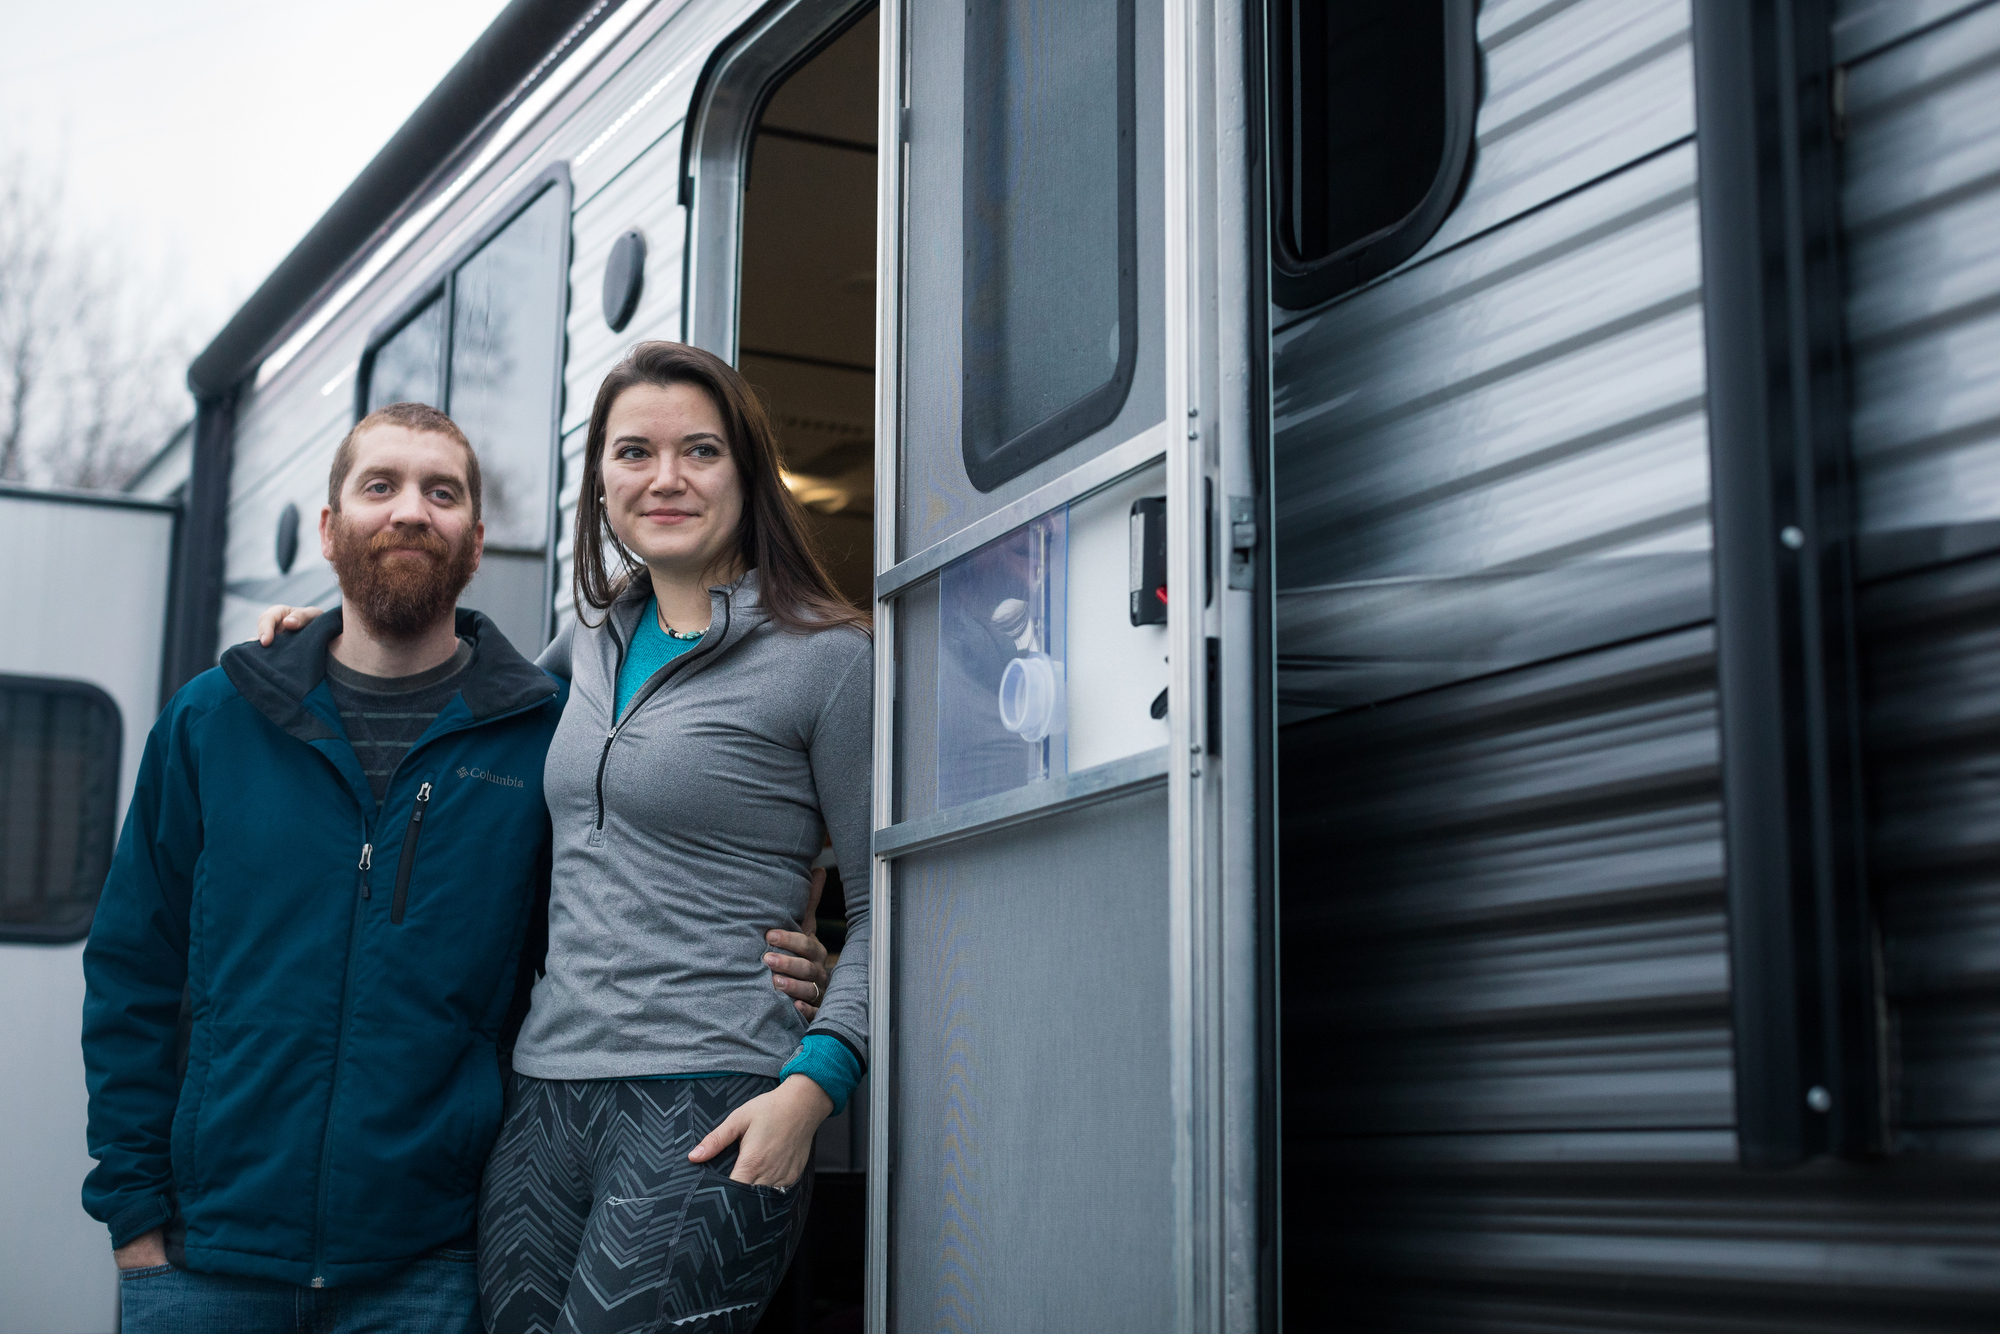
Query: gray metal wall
x,y
1922,206
1507,1073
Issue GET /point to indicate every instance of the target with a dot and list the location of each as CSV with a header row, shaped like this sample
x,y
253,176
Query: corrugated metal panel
x,y
645,195
1922,203
1548,841
1508,1063
1862,27
1933,667
1571,90
1499,455
1509,1083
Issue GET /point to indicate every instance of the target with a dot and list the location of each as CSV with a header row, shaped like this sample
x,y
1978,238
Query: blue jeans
x,y
439,1294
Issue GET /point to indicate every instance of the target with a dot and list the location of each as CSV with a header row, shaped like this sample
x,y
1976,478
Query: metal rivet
x,y
1194,412
1819,1099
1792,536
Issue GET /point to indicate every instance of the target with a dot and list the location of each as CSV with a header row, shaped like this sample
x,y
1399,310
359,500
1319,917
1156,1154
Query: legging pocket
x,y
730,1252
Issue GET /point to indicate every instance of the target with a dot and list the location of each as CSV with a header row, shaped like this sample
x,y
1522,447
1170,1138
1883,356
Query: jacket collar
x,y
276,680
737,607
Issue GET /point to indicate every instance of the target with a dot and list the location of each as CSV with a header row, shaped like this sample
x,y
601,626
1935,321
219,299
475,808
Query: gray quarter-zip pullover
x,y
688,830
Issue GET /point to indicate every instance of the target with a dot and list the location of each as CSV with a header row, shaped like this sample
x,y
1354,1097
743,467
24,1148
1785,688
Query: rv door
x,y
83,606
1071,700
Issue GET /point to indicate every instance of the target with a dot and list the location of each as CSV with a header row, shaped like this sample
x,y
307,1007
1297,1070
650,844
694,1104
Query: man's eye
x,y
443,497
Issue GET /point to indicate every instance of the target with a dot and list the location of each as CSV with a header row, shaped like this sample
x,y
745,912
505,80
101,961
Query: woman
x,y
651,1170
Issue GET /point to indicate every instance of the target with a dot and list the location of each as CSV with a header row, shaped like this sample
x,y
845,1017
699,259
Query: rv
x,y
1486,817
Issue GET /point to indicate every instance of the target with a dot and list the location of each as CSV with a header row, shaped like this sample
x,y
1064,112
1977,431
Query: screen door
x,y
1065,1056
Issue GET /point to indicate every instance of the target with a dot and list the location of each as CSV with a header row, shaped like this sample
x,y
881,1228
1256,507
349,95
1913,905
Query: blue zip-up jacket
x,y
348,972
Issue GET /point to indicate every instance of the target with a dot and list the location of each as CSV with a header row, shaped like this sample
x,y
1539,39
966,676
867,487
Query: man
x,y
335,849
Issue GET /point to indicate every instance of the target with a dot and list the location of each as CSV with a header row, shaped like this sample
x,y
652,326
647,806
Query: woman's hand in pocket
x,y
777,1131
284,618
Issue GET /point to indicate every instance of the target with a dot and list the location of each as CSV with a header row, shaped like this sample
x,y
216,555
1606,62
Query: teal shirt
x,y
652,648
826,1061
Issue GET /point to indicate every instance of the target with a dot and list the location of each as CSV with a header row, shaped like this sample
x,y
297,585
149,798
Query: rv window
x,y
59,743
506,336
1050,279
1371,122
409,367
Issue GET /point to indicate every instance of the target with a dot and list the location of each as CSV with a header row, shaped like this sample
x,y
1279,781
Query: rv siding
x,y
1922,212
646,196
1502,877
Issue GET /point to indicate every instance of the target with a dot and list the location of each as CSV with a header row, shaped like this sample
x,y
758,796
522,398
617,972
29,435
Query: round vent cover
x,y
624,279
288,537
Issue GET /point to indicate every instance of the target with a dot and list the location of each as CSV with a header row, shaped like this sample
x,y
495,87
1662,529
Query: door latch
x,y
1242,542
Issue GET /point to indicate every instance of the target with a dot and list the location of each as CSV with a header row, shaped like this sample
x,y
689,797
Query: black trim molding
x,y
194,600
1805,988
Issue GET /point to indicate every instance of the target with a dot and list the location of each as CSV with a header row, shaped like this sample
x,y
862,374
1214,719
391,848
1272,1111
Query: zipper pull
x,y
423,795
367,859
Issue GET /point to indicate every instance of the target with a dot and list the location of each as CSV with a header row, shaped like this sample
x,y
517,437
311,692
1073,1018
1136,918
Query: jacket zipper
x,y
346,991
339,1056
650,689
409,858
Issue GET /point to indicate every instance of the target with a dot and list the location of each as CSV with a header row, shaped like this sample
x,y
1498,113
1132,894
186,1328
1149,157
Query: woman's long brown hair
x,y
794,587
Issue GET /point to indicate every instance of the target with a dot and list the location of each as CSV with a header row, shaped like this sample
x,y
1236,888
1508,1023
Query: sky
x,y
205,137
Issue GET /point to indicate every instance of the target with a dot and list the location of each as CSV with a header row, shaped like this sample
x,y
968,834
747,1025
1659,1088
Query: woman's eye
x,y
705,452
631,452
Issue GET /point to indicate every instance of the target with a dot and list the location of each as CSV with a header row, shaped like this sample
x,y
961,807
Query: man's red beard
x,y
400,598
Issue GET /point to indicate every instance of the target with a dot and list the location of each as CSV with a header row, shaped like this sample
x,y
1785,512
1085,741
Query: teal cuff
x,y
829,1063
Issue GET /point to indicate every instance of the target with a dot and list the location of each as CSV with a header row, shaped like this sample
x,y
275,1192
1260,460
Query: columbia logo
x,y
488,776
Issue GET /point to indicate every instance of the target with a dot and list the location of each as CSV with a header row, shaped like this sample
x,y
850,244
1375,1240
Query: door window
x,y
1051,275
59,744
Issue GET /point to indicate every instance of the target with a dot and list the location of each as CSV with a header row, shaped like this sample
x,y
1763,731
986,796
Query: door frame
x,y
1218,767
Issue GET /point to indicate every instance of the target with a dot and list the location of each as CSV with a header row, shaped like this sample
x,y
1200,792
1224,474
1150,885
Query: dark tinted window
x,y
506,333
59,744
409,367
1371,122
1050,277
502,309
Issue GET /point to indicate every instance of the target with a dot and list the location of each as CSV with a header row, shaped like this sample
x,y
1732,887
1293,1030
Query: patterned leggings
x,y
593,1221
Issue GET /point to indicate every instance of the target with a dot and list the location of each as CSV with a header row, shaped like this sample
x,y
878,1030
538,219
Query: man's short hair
x,y
412,416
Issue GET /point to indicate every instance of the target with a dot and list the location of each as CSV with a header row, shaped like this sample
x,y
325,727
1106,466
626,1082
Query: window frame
x,y
990,469
1298,284
736,84
443,283
113,757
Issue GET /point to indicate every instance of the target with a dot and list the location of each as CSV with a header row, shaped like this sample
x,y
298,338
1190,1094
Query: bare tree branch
x,y
90,348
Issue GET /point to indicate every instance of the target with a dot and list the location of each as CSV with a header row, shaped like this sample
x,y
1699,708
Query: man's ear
x,y
478,543
326,533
